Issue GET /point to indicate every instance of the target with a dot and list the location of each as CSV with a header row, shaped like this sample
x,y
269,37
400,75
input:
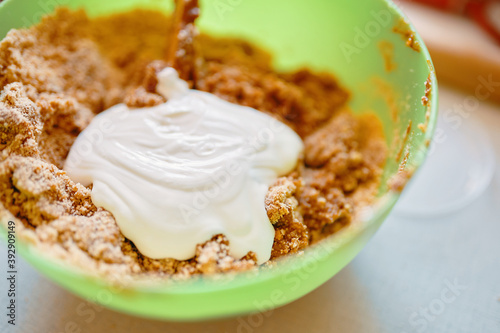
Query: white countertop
x,y
398,284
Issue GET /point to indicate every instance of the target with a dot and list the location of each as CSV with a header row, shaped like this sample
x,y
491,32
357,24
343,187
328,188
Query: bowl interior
x,y
357,46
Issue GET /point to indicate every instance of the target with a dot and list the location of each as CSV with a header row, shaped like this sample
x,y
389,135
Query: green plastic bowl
x,y
341,36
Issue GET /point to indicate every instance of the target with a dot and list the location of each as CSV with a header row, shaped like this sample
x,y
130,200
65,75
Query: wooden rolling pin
x,y
464,55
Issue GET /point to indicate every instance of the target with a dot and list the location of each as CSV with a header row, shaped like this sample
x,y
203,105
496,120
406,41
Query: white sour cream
x,y
176,174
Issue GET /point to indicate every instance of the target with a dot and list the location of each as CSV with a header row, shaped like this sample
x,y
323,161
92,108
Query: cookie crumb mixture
x,y
56,76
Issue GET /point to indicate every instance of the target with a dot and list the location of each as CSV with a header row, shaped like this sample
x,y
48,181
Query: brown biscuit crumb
x,y
346,157
291,235
20,123
279,199
56,76
302,100
140,98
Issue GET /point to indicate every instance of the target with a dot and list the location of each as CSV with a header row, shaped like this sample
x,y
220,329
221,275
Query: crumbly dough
x,y
56,76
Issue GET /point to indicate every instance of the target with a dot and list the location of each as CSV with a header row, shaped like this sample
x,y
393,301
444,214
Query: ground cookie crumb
x,y
56,76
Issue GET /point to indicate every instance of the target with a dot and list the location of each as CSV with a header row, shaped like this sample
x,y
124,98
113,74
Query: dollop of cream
x,y
176,174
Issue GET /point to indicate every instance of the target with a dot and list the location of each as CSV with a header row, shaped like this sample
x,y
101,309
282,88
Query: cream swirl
x,y
176,174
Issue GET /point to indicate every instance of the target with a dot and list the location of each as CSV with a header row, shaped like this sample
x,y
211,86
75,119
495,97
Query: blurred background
x,y
434,266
